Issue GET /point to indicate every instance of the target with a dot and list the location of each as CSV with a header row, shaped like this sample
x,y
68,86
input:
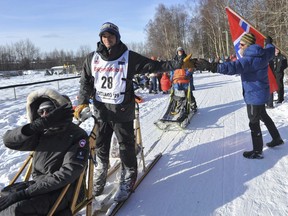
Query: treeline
x,y
200,27
24,55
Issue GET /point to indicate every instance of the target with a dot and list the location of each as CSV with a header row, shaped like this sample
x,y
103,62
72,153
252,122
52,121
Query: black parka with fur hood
x,y
59,158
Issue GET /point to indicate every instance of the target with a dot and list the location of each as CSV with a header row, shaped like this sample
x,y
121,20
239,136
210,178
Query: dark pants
x,y
192,87
125,135
40,205
153,86
270,101
255,114
280,92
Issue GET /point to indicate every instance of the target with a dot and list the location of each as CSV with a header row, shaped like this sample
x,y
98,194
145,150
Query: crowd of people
x,y
60,147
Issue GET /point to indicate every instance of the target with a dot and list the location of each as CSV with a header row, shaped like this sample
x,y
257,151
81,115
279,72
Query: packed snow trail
x,y
202,171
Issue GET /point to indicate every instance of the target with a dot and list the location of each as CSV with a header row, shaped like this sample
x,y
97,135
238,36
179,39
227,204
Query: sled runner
x,y
179,111
105,203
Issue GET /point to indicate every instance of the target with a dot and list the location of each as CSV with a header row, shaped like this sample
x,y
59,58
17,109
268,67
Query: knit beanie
x,y
112,29
47,104
179,49
248,38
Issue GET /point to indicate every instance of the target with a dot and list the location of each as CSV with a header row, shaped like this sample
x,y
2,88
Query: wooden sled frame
x,y
138,137
87,201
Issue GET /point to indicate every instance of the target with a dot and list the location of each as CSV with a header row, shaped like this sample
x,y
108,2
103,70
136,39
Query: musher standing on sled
x,y
107,78
188,67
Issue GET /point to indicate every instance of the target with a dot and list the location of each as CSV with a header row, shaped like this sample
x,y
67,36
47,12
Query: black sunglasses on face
x,y
47,110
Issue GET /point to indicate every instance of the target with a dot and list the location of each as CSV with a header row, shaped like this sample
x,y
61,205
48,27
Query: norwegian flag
x,y
239,27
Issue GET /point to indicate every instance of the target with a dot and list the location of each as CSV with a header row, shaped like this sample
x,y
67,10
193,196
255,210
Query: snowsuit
x,y
60,156
113,116
181,80
253,68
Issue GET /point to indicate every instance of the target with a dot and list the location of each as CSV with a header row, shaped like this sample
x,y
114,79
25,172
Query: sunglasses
x,y
241,44
47,110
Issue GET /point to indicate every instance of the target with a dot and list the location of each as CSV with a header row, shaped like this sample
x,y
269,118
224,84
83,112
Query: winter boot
x,y
127,182
257,141
253,155
100,175
275,142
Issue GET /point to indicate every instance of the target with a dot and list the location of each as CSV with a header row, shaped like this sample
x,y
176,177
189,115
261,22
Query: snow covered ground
x,y
202,171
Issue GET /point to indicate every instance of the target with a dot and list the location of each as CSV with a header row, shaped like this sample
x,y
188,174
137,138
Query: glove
x,y
15,187
82,112
187,63
12,198
202,64
268,40
58,117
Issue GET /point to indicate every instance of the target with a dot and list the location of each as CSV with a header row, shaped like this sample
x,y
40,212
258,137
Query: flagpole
x,y
235,13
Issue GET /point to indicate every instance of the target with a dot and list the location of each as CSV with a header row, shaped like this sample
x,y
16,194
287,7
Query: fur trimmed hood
x,y
36,97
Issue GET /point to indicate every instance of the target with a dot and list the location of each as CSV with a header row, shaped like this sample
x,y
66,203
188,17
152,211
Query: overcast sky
x,y
68,24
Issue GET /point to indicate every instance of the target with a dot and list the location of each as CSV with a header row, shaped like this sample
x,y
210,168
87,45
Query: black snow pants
x,y
255,114
124,132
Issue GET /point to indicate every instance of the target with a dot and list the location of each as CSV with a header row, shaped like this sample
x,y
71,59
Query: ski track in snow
x,y
202,171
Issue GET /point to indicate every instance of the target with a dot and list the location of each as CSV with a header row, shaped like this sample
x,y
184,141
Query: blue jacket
x,y
253,68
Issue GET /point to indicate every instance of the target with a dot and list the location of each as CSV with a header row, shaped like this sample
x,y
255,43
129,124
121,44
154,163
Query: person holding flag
x,y
253,68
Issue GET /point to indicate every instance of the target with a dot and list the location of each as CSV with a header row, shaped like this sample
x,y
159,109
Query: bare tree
x,y
7,57
167,31
26,52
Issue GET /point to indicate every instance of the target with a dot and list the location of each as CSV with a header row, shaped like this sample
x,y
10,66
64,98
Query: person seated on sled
x,y
180,84
180,79
60,155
